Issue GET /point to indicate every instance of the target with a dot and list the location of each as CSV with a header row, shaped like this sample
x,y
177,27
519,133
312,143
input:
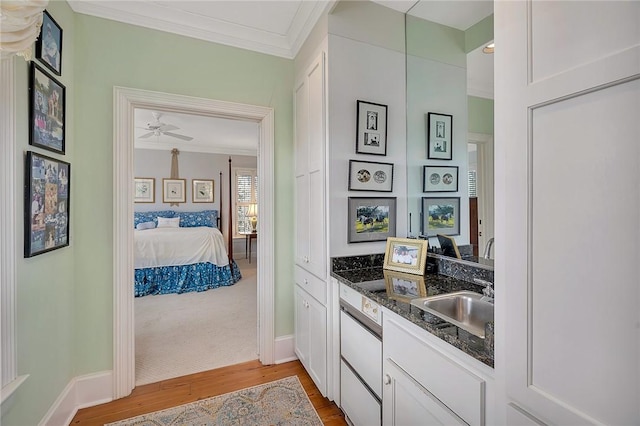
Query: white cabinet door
x,y
311,337
301,326
406,403
567,101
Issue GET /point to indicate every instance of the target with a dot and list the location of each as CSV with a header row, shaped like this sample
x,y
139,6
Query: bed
x,y
179,252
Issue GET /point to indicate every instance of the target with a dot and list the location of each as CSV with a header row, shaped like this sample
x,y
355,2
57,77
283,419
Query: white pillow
x,y
165,222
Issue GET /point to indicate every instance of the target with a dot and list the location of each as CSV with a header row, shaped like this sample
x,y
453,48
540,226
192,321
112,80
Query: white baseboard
x,y
284,350
81,392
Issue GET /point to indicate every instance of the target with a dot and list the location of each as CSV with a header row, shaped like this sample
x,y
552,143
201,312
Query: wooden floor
x,y
182,390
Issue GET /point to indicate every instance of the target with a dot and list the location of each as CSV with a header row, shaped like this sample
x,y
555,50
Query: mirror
x,y
450,115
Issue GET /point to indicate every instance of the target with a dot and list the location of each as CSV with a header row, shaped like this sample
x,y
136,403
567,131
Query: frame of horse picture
x,y
440,216
371,219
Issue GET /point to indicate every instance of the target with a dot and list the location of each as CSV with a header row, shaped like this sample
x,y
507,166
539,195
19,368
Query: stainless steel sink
x,y
466,309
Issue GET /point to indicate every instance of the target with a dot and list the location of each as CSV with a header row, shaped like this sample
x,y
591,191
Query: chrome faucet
x,y
487,291
487,249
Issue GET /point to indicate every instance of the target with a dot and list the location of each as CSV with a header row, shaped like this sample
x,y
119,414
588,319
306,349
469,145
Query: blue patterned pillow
x,y
140,217
193,219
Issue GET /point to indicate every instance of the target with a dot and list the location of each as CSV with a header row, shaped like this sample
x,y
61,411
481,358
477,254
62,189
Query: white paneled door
x,y
567,146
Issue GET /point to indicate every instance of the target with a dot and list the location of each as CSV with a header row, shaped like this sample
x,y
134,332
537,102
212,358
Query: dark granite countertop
x,y
365,275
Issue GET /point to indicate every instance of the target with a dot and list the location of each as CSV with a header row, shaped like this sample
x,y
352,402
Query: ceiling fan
x,y
157,128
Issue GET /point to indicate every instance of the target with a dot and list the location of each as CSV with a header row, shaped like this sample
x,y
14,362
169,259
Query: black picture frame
x,y
49,44
371,219
439,136
46,204
440,216
47,100
370,176
371,137
439,178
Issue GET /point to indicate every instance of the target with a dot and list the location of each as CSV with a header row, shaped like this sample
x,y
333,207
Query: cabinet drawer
x,y
311,284
362,408
458,388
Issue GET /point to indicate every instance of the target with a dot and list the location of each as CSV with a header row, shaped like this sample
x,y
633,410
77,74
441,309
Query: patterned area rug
x,y
283,402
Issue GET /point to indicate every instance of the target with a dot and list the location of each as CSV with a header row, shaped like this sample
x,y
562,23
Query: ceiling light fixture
x,y
488,48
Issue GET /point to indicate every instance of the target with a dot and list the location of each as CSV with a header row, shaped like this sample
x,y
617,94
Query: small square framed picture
x,y
371,219
202,190
370,176
372,128
440,179
404,287
440,216
144,190
406,255
439,136
173,190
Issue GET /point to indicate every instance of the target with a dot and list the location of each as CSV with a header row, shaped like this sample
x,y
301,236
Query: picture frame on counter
x,y
440,216
47,115
439,136
372,128
173,190
371,219
202,190
407,255
46,204
49,44
370,176
144,190
404,287
440,179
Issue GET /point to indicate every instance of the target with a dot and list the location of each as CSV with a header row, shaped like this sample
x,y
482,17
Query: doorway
x,y
480,159
125,102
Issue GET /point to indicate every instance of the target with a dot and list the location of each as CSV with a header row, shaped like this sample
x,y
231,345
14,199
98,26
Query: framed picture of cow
x,y
371,219
440,216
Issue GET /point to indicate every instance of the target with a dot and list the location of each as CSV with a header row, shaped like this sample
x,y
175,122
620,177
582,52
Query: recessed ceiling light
x,y
488,48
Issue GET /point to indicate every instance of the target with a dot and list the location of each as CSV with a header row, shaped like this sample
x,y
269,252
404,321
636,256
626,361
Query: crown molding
x,y
195,147
211,29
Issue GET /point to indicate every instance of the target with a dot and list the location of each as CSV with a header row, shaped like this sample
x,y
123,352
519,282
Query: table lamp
x,y
252,214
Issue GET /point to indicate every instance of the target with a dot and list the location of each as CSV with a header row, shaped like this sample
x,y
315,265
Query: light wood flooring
x,y
182,390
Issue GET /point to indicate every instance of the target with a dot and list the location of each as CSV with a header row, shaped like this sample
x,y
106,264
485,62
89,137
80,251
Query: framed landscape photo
x,y
371,219
49,44
202,190
173,190
370,176
440,179
46,111
372,128
440,216
46,204
404,287
406,255
439,136
144,190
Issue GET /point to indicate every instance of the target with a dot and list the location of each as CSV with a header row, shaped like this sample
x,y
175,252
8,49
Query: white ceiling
x,y
275,27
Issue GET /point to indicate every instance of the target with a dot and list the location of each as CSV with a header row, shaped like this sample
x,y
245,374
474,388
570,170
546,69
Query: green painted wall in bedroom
x,y
45,283
112,54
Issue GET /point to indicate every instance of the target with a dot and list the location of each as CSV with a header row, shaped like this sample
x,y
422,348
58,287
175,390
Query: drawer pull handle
x,y
387,379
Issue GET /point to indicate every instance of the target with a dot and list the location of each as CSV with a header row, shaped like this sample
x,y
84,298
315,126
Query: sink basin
x,y
465,309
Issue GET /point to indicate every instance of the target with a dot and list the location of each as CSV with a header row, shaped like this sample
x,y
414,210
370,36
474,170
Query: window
x,y
473,184
245,193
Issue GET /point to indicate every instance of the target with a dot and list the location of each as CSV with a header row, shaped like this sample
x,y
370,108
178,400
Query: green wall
x,y
112,54
45,283
480,115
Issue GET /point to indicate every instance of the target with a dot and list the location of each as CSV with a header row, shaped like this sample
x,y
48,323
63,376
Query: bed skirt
x,y
183,279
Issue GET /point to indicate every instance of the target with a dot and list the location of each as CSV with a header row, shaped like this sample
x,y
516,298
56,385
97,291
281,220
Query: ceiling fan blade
x,y
146,135
168,127
184,138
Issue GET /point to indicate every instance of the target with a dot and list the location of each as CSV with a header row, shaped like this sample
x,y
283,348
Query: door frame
x,y
125,100
485,192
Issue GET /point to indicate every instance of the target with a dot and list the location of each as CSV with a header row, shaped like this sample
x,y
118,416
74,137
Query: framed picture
x,y
371,219
439,136
173,190
404,287
46,111
46,204
370,176
406,255
440,179
202,190
49,44
440,216
448,246
144,190
372,128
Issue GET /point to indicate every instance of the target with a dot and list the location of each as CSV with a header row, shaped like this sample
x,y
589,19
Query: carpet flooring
x,y
180,334
281,402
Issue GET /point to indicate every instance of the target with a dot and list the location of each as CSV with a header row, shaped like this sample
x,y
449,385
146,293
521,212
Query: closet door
x,y
567,98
